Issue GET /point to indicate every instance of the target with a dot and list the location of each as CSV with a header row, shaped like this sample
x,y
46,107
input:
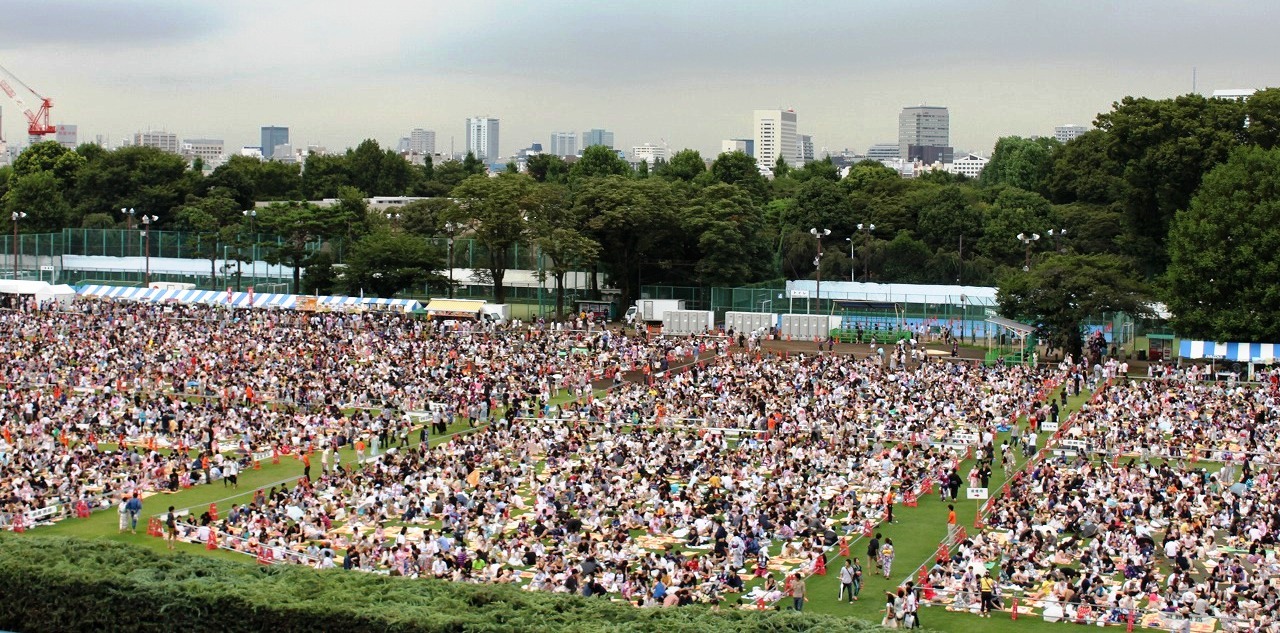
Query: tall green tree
x,y
631,219
736,168
1020,162
1012,212
560,237
1166,147
384,263
598,161
39,195
145,178
203,221
547,168
497,210
731,246
1083,170
1223,281
686,165
298,225
1062,291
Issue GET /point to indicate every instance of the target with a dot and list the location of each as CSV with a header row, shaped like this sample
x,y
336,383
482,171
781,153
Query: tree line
x,y
1120,212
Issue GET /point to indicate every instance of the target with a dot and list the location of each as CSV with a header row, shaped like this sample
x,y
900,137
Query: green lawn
x,y
916,536
103,524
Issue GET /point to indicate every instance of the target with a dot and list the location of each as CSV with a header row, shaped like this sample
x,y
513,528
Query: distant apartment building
x,y
775,137
273,136
284,153
970,165
208,150
564,144
596,136
482,138
805,148
649,153
1064,133
745,145
163,141
924,134
883,151
422,141
66,135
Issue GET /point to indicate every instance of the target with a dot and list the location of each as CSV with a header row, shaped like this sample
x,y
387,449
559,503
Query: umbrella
x,y
1238,489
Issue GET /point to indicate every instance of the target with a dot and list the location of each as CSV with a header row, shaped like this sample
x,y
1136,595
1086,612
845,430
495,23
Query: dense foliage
x,y
60,584
1115,191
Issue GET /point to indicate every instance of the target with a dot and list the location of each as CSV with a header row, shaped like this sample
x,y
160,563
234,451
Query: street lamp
x,y
817,261
252,214
16,215
866,256
395,220
450,228
146,234
1026,241
128,213
1057,235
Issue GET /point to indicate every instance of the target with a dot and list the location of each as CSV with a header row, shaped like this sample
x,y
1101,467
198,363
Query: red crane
x,y
37,122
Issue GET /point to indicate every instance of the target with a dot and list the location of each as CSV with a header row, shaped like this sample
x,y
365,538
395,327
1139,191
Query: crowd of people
x,y
1159,503
102,399
739,473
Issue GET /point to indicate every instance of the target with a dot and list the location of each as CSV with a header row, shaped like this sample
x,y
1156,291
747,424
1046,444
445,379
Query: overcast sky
x,y
689,72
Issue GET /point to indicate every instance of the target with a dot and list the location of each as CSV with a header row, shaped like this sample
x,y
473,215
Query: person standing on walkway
x,y
798,592
873,550
170,528
306,464
986,587
951,518
846,581
886,557
134,508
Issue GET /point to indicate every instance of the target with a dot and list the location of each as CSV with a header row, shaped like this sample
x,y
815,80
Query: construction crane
x,y
37,122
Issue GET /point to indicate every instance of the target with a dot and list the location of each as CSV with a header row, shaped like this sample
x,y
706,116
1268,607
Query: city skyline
x,y
847,68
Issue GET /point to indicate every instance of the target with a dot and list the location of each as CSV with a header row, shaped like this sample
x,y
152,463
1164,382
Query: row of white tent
x,y
246,299
42,291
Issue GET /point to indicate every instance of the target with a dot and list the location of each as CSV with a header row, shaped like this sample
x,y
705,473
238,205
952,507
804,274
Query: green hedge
x,y
64,584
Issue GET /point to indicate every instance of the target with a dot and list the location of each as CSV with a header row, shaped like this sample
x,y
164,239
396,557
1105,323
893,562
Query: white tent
x,y
21,287
63,294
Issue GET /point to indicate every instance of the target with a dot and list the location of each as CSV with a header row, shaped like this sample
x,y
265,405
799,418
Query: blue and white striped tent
x,y
240,299
1239,352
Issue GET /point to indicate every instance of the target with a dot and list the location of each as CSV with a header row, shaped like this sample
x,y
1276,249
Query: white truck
x,y
652,310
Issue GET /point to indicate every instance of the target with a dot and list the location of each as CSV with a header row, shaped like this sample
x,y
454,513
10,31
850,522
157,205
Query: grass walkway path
x,y
916,536
103,524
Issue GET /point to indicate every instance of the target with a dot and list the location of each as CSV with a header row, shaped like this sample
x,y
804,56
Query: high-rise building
x,y
883,151
649,153
284,153
271,137
66,135
924,134
564,144
775,136
208,150
805,148
1065,133
745,145
402,146
596,136
422,141
163,141
482,137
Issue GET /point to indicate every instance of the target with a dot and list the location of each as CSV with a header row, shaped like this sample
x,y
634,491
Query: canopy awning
x,y
1243,352
1016,326
459,308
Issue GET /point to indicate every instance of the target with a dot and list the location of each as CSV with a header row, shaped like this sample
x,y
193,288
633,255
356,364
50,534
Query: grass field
x,y
916,535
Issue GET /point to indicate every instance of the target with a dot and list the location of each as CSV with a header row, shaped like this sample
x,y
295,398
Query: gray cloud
x,y
114,23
